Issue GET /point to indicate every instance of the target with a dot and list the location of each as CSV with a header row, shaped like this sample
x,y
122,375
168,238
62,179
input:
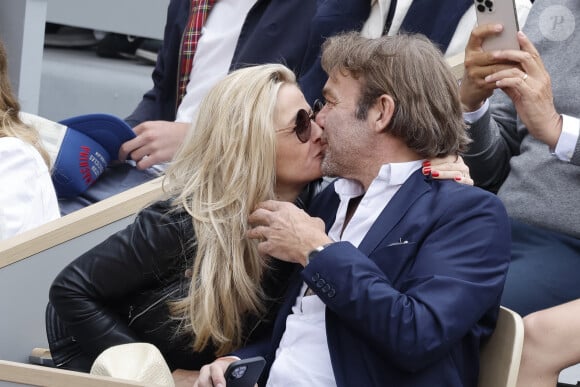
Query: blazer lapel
x,y
415,186
325,205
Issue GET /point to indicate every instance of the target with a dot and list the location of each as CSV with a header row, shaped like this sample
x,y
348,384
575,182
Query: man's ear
x,y
385,108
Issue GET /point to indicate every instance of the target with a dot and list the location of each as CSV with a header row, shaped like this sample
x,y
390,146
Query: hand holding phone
x,y
499,12
245,372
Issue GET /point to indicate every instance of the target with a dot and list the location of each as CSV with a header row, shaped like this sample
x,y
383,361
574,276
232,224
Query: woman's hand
x,y
448,168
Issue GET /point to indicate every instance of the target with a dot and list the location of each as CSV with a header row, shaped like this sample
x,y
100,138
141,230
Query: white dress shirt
x,y
27,196
214,53
374,25
303,357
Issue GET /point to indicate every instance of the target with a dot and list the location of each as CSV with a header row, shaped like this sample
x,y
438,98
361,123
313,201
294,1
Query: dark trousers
x,y
544,270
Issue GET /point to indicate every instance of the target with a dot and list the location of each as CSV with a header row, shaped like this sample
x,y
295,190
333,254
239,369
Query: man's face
x,y
344,133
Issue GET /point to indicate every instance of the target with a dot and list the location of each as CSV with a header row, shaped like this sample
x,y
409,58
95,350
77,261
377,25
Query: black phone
x,y
245,372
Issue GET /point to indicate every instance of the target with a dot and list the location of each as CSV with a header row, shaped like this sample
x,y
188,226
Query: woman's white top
x,y
27,196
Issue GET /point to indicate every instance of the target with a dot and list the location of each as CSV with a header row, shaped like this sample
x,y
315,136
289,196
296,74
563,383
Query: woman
x,y
183,276
27,196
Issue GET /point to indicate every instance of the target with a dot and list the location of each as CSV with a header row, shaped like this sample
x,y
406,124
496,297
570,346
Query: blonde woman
x,y
27,196
183,276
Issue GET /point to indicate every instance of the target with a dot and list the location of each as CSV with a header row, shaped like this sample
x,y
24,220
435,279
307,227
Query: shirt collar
x,y
391,174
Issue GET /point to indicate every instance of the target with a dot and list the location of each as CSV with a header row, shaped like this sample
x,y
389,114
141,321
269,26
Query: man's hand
x,y
156,142
184,378
530,89
451,167
285,231
212,375
474,88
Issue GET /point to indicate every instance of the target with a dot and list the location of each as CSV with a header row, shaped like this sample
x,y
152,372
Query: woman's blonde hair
x,y
225,167
11,125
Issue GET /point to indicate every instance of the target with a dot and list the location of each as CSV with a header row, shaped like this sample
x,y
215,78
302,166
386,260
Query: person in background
x,y
27,196
550,344
398,276
524,115
161,117
235,34
203,41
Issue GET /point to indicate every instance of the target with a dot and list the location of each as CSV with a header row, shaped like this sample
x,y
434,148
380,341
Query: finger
x,y
441,174
517,84
260,217
258,232
464,180
529,47
130,146
529,61
139,129
203,378
480,33
450,159
147,162
217,376
270,205
508,73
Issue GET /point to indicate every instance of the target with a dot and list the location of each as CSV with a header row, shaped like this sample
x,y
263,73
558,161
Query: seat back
x,y
32,375
500,356
30,261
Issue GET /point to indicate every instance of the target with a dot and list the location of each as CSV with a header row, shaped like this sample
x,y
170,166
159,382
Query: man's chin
x,y
328,169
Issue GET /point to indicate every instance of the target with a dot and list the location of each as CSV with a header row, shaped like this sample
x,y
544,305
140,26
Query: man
x,y
405,272
527,147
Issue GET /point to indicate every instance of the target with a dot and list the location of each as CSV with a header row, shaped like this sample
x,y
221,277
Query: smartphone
x,y
245,372
499,12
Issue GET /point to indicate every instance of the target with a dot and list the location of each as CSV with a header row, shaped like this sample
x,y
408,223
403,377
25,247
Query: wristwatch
x,y
314,252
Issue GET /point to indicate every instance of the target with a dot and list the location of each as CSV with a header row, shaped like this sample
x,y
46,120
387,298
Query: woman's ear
x,y
385,108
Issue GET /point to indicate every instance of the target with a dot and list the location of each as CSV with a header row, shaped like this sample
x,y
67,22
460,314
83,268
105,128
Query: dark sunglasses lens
x,y
303,125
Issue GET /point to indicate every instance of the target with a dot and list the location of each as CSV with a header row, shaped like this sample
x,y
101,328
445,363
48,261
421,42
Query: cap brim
x,y
108,130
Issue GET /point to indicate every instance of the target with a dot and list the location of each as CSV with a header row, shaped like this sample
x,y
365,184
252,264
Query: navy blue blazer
x,y
411,305
275,31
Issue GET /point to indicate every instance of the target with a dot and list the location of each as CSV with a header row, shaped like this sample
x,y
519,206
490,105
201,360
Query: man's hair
x,y
10,123
224,168
409,68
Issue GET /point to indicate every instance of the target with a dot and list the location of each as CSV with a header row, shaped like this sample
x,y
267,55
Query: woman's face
x,y
297,163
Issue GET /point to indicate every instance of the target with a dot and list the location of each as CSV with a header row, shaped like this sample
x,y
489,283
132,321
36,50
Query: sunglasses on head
x,y
303,124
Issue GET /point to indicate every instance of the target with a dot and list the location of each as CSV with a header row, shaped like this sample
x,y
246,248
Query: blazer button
x,y
325,288
331,293
315,277
320,283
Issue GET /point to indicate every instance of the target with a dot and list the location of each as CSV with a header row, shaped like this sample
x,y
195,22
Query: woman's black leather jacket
x,y
117,292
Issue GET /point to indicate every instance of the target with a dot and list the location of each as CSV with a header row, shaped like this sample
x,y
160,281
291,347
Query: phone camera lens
x,y
239,372
489,4
480,7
